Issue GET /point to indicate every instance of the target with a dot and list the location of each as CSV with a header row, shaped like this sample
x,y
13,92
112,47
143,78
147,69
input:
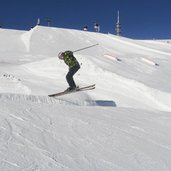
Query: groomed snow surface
x,y
123,124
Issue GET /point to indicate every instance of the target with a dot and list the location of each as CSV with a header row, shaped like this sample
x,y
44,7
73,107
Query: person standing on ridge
x,y
73,65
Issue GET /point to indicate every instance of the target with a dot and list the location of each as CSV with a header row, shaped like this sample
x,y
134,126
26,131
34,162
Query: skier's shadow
x,y
105,103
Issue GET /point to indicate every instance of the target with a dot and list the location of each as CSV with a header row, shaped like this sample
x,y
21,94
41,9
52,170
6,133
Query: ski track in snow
x,y
52,138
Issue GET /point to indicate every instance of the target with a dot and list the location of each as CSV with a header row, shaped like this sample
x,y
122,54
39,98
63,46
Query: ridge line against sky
x,y
140,19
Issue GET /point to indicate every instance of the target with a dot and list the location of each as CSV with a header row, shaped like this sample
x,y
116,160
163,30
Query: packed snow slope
x,y
123,124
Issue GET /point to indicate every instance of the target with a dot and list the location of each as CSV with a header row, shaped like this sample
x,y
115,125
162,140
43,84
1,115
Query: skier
x,y
73,65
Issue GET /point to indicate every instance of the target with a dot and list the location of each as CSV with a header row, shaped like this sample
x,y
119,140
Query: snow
x,y
123,124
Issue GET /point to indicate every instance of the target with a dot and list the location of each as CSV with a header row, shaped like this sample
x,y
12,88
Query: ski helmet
x,y
61,55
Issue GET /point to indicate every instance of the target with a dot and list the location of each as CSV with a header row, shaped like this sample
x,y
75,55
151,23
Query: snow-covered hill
x,y
124,124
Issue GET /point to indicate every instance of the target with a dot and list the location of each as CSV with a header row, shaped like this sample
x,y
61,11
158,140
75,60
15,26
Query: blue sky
x,y
140,19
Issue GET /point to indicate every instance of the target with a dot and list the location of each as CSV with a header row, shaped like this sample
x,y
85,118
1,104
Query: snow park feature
x,y
122,124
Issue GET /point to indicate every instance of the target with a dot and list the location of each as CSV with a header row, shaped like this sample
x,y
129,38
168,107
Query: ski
x,y
90,87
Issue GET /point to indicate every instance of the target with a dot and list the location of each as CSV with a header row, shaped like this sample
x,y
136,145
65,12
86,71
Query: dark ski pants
x,y
70,74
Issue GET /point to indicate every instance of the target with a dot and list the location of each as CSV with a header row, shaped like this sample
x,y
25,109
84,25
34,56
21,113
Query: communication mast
x,y
118,26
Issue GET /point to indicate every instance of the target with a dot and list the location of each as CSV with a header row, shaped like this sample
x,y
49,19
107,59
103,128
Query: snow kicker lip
x,y
47,100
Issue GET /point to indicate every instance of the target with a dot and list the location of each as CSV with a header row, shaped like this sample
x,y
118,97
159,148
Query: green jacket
x,y
69,59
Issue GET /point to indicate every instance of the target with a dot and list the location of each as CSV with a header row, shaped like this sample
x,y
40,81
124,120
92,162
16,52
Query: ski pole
x,y
85,47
